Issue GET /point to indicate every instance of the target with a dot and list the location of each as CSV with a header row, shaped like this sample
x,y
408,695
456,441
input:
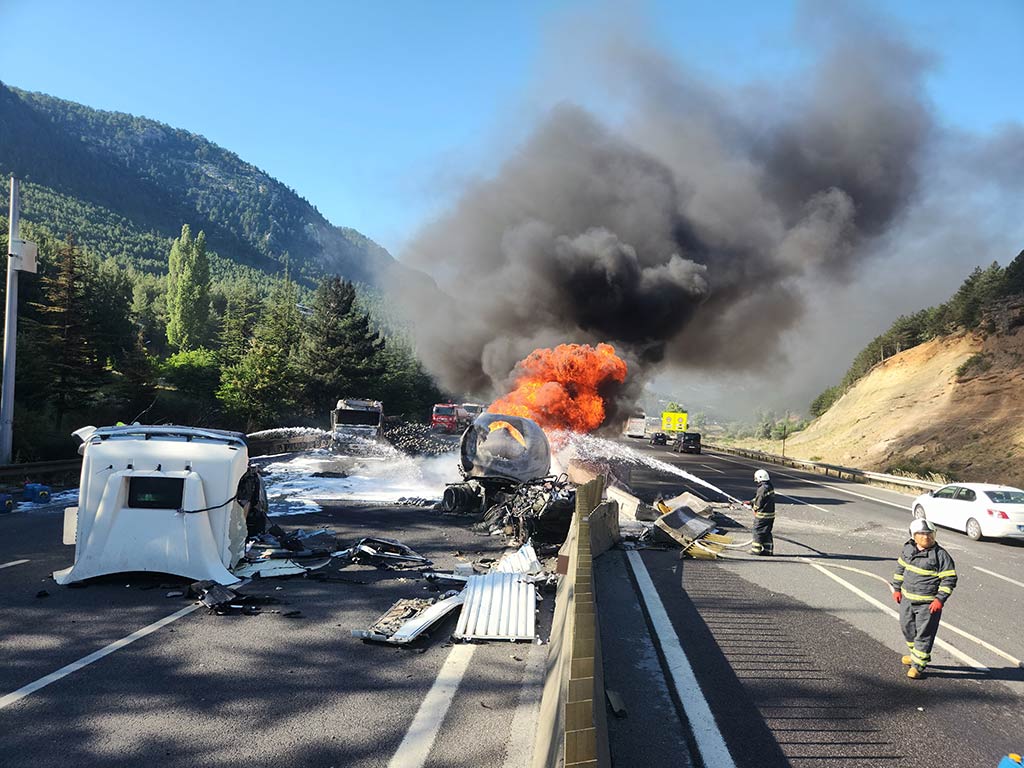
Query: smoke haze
x,y
710,229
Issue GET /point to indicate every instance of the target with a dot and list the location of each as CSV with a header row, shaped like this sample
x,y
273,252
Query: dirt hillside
x,y
913,412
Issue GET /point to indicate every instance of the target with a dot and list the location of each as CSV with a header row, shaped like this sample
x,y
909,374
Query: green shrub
x,y
977,363
195,372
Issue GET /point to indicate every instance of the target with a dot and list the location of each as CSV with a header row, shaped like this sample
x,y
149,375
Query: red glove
x,y
897,596
936,606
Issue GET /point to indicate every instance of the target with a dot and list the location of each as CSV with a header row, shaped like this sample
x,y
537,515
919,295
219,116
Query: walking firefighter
x,y
925,578
763,505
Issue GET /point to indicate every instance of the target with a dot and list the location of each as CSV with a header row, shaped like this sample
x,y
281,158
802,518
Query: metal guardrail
x,y
34,469
258,447
845,473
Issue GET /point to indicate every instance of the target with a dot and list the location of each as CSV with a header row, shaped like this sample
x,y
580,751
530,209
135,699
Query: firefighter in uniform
x,y
763,504
925,578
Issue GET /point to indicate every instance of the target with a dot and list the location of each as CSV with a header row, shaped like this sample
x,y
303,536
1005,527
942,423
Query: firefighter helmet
x,y
761,476
921,525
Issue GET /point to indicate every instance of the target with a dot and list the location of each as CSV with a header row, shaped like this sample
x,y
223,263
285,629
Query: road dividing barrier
x,y
572,728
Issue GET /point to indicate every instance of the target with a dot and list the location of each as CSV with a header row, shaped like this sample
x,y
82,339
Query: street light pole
x,y
21,255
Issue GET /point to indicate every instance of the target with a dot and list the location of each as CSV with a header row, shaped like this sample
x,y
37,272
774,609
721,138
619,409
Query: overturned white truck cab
x,y
164,499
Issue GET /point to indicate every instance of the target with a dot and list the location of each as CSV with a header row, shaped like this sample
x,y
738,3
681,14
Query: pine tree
x,y
188,291
241,315
1013,277
64,323
340,354
109,312
149,310
261,387
406,388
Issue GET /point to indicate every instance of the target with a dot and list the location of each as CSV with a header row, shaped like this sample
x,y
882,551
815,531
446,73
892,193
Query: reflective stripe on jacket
x,y
764,501
924,574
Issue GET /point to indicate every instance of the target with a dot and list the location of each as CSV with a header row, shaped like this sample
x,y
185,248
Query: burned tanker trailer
x,y
505,462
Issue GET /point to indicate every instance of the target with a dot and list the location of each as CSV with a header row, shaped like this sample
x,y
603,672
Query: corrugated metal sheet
x,y
498,606
523,560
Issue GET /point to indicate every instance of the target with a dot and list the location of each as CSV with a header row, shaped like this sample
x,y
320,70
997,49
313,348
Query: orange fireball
x,y
558,388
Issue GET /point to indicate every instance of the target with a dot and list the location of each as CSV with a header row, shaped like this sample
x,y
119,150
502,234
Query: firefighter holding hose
x,y
763,505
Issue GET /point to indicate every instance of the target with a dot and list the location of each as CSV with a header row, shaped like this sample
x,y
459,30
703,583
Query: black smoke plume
x,y
684,234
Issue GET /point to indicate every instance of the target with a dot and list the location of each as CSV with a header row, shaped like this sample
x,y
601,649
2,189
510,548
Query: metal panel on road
x,y
498,606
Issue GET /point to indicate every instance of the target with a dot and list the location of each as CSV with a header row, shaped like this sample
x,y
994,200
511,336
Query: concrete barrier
x,y
572,728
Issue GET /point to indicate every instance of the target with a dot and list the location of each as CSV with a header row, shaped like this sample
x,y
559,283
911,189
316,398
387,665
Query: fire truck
x,y
445,417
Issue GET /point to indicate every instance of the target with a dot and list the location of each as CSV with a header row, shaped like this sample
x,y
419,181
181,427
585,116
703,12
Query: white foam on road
x,y
569,445
384,476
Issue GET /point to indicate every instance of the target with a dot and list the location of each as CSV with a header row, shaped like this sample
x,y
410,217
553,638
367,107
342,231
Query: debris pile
x,y
685,521
406,620
540,509
499,604
505,461
382,553
419,440
283,553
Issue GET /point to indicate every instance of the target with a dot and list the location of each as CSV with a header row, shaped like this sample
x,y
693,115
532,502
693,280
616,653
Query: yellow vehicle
x,y
673,421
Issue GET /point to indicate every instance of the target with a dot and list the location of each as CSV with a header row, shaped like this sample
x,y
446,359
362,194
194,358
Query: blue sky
x,y
375,112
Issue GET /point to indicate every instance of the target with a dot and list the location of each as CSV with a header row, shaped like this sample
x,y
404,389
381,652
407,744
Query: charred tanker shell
x,y
497,445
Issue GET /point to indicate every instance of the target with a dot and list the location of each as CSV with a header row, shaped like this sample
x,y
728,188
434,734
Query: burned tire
x,y
919,512
973,530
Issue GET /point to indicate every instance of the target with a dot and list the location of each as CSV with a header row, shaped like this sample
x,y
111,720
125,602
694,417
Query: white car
x,y
977,509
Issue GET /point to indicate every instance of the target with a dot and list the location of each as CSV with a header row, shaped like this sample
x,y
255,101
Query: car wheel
x,y
698,451
973,530
919,512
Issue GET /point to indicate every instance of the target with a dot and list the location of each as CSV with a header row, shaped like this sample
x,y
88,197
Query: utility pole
x,y
21,255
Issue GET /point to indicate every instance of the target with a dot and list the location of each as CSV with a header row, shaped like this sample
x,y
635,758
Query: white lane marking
x,y
938,641
905,507
85,661
520,744
957,630
13,562
713,469
998,576
713,751
415,747
800,501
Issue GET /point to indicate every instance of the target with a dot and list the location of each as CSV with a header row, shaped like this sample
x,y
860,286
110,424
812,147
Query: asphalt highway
x,y
265,690
798,656
795,658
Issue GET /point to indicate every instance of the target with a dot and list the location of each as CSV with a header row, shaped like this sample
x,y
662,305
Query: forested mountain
x,y
124,185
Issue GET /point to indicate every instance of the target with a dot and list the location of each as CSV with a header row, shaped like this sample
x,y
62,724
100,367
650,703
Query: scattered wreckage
x,y
685,521
159,498
496,605
505,463
186,502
